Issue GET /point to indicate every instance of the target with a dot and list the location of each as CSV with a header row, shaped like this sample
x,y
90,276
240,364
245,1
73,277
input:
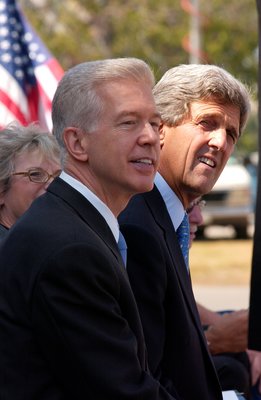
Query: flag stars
x,y
18,61
19,74
20,50
33,46
6,58
3,19
37,57
16,47
3,32
40,58
28,37
2,6
32,55
26,75
5,44
14,34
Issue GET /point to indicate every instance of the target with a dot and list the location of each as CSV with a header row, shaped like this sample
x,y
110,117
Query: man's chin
x,y
144,187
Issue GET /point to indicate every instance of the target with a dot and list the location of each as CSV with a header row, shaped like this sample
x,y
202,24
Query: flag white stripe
x,y
45,118
9,85
46,79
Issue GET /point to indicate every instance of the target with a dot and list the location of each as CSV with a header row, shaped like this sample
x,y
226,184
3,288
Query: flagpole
x,y
195,34
192,42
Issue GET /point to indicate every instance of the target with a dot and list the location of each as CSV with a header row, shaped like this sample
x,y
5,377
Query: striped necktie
x,y
183,238
123,248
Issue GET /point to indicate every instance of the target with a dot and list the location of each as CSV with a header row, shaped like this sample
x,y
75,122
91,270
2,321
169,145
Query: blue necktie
x,y
183,238
123,248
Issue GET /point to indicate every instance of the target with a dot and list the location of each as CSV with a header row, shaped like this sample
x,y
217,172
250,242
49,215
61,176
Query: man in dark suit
x,y
69,324
203,110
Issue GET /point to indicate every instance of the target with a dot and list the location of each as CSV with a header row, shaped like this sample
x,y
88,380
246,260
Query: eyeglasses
x,y
197,202
38,175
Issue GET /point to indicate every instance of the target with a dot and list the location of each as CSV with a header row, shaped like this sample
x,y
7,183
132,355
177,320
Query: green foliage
x,y
80,30
231,37
249,140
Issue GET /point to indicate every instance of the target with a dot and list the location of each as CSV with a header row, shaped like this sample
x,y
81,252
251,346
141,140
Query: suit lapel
x,y
87,212
159,211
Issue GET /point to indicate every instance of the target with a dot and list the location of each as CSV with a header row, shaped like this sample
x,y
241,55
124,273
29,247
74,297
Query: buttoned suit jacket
x,y
69,325
177,350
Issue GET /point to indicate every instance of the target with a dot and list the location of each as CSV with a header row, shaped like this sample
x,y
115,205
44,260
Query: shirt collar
x,y
173,204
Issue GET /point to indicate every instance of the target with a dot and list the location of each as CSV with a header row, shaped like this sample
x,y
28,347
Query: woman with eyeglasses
x,y
29,161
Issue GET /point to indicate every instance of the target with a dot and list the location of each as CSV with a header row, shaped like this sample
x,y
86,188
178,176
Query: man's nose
x,y
149,134
218,139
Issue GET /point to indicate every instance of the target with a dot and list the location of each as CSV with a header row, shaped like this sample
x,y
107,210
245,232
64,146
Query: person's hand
x,y
229,333
255,362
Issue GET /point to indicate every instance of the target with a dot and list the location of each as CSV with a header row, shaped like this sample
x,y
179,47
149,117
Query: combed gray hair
x,y
182,85
15,140
77,102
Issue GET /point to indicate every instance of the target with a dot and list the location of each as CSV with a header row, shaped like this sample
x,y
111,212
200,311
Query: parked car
x,y
229,202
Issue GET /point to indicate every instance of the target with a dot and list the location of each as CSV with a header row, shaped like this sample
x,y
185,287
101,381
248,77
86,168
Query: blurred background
x,y
166,33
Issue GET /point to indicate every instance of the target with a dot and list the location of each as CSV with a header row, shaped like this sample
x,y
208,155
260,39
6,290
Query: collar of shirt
x,y
95,201
174,206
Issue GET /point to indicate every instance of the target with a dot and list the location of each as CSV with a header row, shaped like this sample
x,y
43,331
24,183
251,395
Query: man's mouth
x,y
146,161
207,161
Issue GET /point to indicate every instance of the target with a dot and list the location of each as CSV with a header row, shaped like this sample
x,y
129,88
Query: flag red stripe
x,y
13,107
44,98
55,68
32,99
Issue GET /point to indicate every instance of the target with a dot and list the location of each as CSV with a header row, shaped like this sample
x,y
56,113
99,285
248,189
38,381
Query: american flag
x,y
28,72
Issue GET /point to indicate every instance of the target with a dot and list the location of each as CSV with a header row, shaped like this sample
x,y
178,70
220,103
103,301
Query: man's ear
x,y
162,135
76,142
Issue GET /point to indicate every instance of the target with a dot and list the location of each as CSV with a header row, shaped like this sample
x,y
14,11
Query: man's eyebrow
x,y
219,116
137,113
209,114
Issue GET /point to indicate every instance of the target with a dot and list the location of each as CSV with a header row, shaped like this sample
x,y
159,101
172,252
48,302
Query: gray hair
x,y
15,140
77,102
182,85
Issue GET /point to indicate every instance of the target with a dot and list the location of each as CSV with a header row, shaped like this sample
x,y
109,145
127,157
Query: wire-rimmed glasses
x,y
38,175
198,202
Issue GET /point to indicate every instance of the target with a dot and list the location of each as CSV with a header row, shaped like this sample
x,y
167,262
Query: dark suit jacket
x,y
69,325
255,283
177,352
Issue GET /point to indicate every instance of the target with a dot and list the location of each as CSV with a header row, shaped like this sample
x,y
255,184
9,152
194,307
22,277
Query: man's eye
x,y
204,122
233,135
155,125
129,122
